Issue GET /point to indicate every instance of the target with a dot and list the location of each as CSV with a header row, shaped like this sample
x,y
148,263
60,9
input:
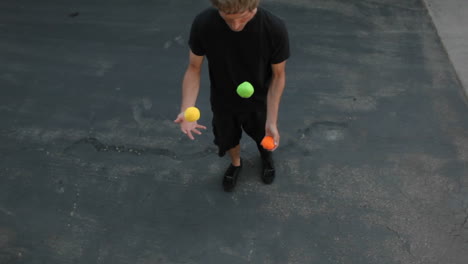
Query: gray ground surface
x,y
372,167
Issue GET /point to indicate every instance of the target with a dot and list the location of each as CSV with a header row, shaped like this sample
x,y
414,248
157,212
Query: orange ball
x,y
268,143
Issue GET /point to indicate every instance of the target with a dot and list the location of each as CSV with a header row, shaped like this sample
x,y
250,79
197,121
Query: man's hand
x,y
188,127
272,131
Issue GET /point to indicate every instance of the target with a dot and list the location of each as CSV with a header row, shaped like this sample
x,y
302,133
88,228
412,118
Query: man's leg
x,y
232,173
254,126
227,132
268,165
234,153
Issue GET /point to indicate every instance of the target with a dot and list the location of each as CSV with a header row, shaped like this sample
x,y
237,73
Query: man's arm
x,y
191,81
273,100
190,89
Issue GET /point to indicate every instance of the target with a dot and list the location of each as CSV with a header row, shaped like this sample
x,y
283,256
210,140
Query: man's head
x,y
236,13
235,6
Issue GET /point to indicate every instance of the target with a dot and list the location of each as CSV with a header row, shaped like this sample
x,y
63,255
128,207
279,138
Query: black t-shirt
x,y
235,57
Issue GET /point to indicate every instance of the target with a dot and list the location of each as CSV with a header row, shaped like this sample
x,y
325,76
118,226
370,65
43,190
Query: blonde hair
x,y
235,6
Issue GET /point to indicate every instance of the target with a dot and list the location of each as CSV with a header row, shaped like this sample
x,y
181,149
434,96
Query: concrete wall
x,y
451,20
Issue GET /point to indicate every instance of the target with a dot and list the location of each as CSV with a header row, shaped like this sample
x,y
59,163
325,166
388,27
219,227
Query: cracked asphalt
x,y
372,166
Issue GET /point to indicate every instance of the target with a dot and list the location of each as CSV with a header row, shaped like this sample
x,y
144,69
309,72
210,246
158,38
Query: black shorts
x,y
227,128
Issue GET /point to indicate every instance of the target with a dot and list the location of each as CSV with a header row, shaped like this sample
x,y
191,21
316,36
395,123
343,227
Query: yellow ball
x,y
192,114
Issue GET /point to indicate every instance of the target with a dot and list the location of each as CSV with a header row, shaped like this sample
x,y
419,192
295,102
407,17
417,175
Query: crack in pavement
x,y
5,211
323,125
101,147
462,226
406,244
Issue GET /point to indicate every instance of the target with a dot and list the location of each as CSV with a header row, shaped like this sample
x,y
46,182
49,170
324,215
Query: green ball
x,y
245,90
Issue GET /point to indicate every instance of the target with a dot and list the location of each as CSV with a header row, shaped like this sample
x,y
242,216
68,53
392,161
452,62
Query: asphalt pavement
x,y
372,166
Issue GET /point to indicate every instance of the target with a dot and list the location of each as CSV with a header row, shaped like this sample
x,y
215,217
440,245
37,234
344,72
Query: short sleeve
x,y
195,39
280,51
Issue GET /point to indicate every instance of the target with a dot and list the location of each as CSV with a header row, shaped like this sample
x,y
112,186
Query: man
x,y
242,42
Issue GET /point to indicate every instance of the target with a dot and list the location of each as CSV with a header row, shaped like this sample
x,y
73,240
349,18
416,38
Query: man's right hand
x,y
188,127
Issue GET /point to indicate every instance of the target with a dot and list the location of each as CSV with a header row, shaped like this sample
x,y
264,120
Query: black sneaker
x,y
268,172
230,177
